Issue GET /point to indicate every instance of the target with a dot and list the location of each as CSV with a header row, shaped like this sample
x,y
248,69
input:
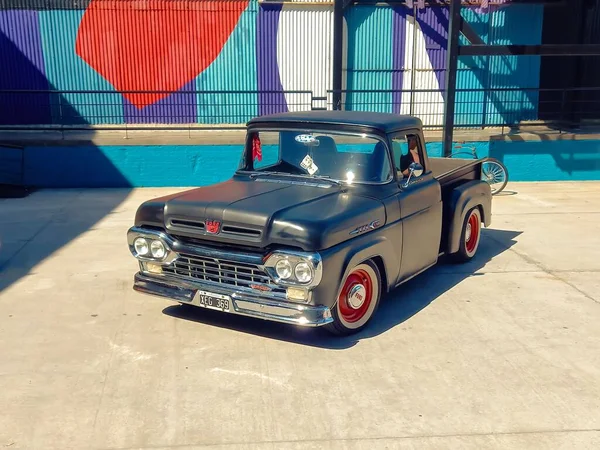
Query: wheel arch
x,y
380,252
474,194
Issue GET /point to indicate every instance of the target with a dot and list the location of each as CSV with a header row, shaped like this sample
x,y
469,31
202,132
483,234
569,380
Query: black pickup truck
x,y
327,211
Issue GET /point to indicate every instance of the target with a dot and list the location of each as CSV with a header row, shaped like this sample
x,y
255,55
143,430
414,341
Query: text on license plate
x,y
213,301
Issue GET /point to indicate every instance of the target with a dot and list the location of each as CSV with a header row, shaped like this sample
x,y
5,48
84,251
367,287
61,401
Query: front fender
x,y
462,200
339,261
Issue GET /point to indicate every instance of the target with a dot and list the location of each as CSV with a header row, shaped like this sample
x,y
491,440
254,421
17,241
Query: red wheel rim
x,y
472,235
356,279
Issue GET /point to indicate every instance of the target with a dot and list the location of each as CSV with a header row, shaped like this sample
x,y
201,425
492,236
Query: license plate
x,y
213,301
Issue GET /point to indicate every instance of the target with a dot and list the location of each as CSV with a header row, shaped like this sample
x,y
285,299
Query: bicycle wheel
x,y
495,174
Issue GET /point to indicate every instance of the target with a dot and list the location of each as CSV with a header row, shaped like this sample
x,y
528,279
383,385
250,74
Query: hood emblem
x,y
213,226
363,228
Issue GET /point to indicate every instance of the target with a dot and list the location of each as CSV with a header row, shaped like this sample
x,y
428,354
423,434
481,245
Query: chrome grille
x,y
221,271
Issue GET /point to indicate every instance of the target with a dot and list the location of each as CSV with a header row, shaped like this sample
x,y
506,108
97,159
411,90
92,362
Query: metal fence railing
x,y
501,107
481,108
77,108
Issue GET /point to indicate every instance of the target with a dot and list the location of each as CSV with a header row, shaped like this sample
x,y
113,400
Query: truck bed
x,y
453,171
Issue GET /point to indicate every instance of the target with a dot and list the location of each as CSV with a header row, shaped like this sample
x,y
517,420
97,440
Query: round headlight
x,y
158,249
141,246
283,269
303,272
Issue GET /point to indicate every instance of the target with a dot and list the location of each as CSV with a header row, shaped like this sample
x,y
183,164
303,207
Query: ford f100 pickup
x,y
327,211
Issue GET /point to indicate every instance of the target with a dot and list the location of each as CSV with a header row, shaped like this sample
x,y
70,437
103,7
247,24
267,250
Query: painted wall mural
x,y
216,61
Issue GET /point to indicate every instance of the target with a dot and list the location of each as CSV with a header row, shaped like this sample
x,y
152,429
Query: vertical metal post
x,y
576,96
451,68
338,38
413,69
563,107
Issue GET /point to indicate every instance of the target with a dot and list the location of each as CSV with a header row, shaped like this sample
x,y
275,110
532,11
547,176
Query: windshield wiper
x,y
267,174
296,175
325,178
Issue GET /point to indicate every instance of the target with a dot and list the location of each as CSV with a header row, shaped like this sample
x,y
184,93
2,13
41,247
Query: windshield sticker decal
x,y
307,139
308,164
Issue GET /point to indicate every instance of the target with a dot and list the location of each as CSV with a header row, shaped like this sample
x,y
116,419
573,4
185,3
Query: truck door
x,y
420,202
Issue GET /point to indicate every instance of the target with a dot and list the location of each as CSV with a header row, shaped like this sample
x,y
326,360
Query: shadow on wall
x,y
548,158
395,309
33,228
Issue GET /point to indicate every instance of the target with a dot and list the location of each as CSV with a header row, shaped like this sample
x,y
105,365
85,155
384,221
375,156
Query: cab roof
x,y
384,122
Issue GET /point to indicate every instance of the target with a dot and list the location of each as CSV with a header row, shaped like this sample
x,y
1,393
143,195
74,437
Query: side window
x,y
407,149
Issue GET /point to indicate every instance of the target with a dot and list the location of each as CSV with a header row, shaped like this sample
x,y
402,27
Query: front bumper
x,y
242,303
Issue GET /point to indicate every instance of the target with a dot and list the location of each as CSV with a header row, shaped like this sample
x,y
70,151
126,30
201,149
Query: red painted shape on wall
x,y
154,45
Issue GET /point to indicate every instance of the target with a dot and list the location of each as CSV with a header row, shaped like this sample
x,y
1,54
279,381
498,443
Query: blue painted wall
x,y
519,24
125,166
146,166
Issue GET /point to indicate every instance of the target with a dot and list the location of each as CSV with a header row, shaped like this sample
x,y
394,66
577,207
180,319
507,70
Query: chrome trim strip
x,y
242,303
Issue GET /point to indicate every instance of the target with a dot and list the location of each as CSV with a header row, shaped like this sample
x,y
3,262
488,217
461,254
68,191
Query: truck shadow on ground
x,y
395,308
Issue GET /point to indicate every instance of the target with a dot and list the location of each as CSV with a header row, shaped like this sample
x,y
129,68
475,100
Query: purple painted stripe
x,y
434,24
266,61
398,55
178,107
22,63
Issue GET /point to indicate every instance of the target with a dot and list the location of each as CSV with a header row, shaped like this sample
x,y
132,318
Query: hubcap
x,y
357,296
472,233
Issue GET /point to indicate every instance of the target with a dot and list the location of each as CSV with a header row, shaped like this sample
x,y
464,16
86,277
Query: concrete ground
x,y
503,352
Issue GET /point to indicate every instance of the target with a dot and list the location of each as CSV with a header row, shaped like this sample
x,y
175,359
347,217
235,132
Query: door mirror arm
x,y
416,170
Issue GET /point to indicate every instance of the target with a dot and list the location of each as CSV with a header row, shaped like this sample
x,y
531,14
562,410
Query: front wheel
x,y
494,173
358,300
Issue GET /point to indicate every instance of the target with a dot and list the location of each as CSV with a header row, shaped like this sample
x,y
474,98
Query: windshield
x,y
350,158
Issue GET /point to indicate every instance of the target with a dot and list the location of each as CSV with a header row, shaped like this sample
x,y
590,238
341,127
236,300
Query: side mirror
x,y
415,170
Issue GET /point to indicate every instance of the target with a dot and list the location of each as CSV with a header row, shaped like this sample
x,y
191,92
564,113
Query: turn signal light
x,y
153,268
297,294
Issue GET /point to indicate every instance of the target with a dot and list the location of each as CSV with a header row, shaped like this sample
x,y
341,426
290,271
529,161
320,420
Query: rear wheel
x,y
470,236
358,300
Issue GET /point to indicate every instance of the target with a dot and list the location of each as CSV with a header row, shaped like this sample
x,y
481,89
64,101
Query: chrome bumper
x,y
242,303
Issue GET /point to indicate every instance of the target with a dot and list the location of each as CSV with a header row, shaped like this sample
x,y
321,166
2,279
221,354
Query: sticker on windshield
x,y
307,139
309,165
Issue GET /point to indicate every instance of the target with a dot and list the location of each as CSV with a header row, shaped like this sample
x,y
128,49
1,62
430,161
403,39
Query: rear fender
x,y
462,199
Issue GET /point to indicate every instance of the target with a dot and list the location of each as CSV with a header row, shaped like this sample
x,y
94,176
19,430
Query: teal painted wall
x,y
234,70
66,71
369,58
518,24
146,166
124,166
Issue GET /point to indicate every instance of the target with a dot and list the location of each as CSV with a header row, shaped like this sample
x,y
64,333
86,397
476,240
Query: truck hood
x,y
265,212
